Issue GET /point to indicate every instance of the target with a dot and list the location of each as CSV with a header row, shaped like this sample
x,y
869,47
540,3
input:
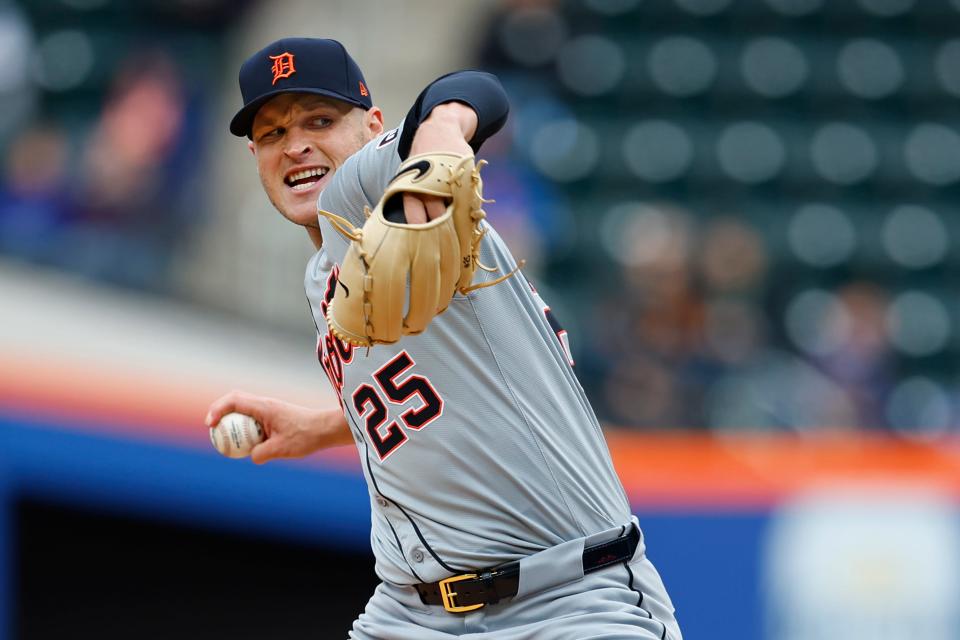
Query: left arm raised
x,y
456,113
480,91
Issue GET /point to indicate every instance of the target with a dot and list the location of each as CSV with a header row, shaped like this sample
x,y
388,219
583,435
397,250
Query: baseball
x,y
236,435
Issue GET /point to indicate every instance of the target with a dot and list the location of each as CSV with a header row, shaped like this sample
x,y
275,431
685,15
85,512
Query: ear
x,y
374,121
252,149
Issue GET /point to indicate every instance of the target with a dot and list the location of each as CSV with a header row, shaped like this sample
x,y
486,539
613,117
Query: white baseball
x,y
236,435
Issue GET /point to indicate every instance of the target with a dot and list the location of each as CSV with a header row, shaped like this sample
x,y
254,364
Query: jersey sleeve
x,y
479,90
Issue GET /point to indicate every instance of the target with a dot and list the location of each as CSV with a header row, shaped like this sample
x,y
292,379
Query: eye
x,y
272,134
321,122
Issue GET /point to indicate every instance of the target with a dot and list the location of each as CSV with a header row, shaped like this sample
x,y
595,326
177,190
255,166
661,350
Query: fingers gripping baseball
x,y
290,429
239,402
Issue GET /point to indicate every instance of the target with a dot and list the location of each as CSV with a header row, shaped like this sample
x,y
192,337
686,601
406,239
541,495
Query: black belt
x,y
471,591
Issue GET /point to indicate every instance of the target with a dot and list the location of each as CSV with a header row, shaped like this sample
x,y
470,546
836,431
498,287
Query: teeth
x,y
306,173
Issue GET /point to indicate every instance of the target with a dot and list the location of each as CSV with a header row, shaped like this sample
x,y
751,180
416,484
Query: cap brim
x,y
243,121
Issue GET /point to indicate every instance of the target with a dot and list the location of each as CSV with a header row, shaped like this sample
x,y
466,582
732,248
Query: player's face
x,y
299,141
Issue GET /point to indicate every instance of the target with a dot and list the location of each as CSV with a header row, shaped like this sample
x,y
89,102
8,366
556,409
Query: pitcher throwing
x,y
496,510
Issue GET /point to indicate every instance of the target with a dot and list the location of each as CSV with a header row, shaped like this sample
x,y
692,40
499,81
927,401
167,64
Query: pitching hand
x,y
292,431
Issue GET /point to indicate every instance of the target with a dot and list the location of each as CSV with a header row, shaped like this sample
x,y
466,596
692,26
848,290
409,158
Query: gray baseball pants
x,y
626,600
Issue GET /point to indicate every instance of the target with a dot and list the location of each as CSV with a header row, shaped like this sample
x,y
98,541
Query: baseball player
x,y
496,511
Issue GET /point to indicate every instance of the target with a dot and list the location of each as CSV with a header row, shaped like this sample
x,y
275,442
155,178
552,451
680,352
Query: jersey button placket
x,y
417,555
383,504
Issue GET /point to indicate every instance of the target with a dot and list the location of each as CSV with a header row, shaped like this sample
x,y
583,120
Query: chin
x,y
301,210
304,219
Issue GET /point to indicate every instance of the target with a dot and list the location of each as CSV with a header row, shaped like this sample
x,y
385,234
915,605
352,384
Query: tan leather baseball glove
x,y
393,266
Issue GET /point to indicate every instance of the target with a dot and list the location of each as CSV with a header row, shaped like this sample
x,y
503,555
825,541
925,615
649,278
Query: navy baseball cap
x,y
298,65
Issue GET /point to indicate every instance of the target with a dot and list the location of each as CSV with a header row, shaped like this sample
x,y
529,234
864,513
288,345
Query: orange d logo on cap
x,y
282,66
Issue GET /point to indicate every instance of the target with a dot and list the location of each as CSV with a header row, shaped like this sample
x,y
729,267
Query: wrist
x,y
333,425
455,114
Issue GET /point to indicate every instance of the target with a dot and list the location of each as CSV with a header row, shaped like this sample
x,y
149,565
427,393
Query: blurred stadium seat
x,y
827,127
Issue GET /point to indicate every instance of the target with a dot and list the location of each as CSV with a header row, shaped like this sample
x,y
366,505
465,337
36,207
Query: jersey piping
x,y
523,414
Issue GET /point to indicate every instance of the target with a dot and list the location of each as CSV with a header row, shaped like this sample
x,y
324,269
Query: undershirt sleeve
x,y
477,89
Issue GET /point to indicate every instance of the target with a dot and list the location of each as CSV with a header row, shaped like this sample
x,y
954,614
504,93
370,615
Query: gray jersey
x,y
477,442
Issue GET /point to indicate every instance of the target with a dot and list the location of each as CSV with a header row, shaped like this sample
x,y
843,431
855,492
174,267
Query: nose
x,y
297,146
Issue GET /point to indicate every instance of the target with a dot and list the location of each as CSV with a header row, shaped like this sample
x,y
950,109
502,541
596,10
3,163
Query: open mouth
x,y
303,180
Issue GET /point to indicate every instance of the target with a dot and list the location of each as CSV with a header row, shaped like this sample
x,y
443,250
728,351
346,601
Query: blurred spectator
x,y
685,343
133,173
34,200
862,362
650,334
733,258
131,147
108,183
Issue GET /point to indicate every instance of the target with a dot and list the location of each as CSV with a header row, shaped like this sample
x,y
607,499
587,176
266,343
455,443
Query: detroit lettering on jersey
x,y
332,352
476,439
